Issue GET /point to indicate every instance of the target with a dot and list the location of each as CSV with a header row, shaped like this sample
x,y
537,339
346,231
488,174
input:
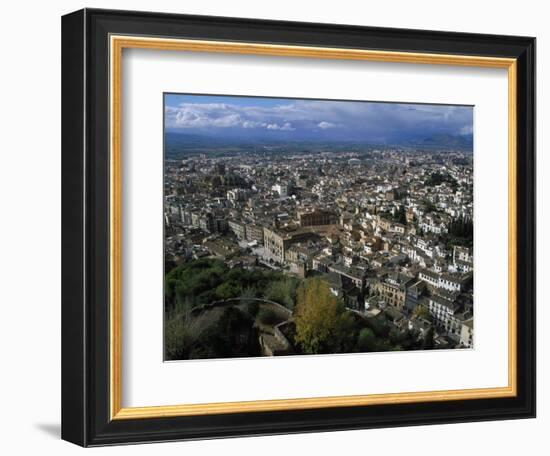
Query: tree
x,y
422,312
437,178
404,339
252,308
228,290
283,291
461,232
380,326
428,341
181,331
401,215
322,324
232,335
366,342
429,206
175,339
462,227
248,299
267,316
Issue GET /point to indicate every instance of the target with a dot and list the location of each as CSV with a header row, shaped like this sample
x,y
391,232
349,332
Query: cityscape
x,y
302,227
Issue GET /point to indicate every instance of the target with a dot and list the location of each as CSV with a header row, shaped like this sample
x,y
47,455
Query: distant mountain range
x,y
178,144
443,142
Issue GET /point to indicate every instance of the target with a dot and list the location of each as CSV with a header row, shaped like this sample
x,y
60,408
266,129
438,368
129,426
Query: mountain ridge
x,y
179,142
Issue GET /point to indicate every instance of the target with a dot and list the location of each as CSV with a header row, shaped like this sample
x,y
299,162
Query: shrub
x,y
267,316
252,308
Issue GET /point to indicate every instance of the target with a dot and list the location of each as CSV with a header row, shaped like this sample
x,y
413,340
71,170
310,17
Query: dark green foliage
x,y
175,339
235,330
205,281
169,264
430,207
461,232
232,335
249,294
381,335
252,309
346,334
404,339
428,340
283,291
462,228
439,178
398,216
379,326
401,216
367,341
228,290
190,333
193,282
195,331
267,316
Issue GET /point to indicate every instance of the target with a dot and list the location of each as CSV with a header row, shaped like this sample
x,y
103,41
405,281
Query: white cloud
x,y
195,115
324,125
206,115
252,124
285,127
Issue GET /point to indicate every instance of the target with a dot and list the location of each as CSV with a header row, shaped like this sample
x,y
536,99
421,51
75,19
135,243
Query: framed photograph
x,y
278,227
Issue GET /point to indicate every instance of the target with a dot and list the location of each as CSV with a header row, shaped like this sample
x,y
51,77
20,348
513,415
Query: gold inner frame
x,y
117,44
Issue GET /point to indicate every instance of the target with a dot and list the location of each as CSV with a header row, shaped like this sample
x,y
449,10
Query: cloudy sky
x,y
287,119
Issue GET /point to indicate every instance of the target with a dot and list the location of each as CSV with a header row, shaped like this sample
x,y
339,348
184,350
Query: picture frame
x,y
92,368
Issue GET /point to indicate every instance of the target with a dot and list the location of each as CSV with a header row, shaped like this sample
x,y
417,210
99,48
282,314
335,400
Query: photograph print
x,y
308,226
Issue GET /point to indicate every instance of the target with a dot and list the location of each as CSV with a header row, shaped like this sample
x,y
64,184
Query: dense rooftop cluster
x,y
389,230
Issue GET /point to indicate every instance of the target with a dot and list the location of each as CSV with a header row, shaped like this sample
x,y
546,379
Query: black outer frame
x,y
85,227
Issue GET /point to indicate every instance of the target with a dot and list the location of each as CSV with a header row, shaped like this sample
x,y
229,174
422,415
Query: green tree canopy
x,y
367,342
283,291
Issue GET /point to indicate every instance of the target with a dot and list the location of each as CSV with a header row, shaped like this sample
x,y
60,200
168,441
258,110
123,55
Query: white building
x,y
283,189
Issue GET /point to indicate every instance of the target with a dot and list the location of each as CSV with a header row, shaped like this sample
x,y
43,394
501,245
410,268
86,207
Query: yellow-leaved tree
x,y
421,311
322,324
